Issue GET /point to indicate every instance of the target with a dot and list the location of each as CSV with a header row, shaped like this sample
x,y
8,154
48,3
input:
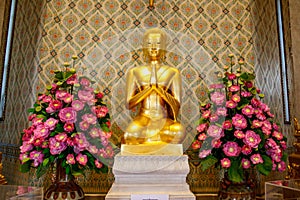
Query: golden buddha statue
x,y
155,89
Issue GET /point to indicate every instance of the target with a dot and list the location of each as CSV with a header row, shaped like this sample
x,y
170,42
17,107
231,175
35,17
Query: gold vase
x,y
244,190
63,187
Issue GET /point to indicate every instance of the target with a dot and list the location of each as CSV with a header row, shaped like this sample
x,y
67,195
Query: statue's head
x,y
154,44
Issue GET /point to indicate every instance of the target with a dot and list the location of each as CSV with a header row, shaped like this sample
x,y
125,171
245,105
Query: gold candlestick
x,y
2,178
151,3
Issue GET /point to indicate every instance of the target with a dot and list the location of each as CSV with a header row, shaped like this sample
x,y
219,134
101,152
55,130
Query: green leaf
x,y
235,172
208,162
41,116
46,161
253,91
241,106
59,82
69,74
52,134
52,158
41,170
244,76
59,75
68,169
38,108
59,128
266,167
261,95
77,173
201,121
251,77
104,127
46,151
31,110
25,167
49,87
285,156
25,160
104,169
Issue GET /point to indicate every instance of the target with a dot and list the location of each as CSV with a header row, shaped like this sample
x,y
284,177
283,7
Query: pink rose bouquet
x,y
69,122
236,130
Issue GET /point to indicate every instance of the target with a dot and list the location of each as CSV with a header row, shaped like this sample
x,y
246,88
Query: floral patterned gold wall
x,y
106,37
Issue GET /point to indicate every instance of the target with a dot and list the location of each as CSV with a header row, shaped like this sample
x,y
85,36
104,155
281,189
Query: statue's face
x,y
154,44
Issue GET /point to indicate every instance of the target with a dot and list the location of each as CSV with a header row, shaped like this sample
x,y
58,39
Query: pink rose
x,y
248,84
81,159
70,159
98,164
216,143
246,163
221,111
206,114
234,88
277,135
256,159
204,153
251,139
201,127
218,98
60,94
213,118
69,127
51,123
236,98
196,144
215,131
225,163
67,115
231,149
239,122
77,105
227,125
246,150
248,110
231,76
85,96
72,80
239,134
281,166
231,104
202,136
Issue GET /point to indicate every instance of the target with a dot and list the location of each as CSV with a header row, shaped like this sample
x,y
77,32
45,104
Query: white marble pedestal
x,y
150,175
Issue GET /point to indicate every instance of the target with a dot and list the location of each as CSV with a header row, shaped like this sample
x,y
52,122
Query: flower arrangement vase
x,y
63,187
244,190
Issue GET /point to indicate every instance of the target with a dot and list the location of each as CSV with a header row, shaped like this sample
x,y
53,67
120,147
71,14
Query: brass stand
x,y
294,158
2,178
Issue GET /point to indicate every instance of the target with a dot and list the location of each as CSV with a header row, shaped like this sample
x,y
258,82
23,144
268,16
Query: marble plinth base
x,y
150,175
151,149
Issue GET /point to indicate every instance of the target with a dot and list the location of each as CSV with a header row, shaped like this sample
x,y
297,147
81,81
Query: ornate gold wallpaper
x,y
106,37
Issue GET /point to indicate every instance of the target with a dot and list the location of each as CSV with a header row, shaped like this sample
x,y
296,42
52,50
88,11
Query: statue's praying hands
x,y
155,89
